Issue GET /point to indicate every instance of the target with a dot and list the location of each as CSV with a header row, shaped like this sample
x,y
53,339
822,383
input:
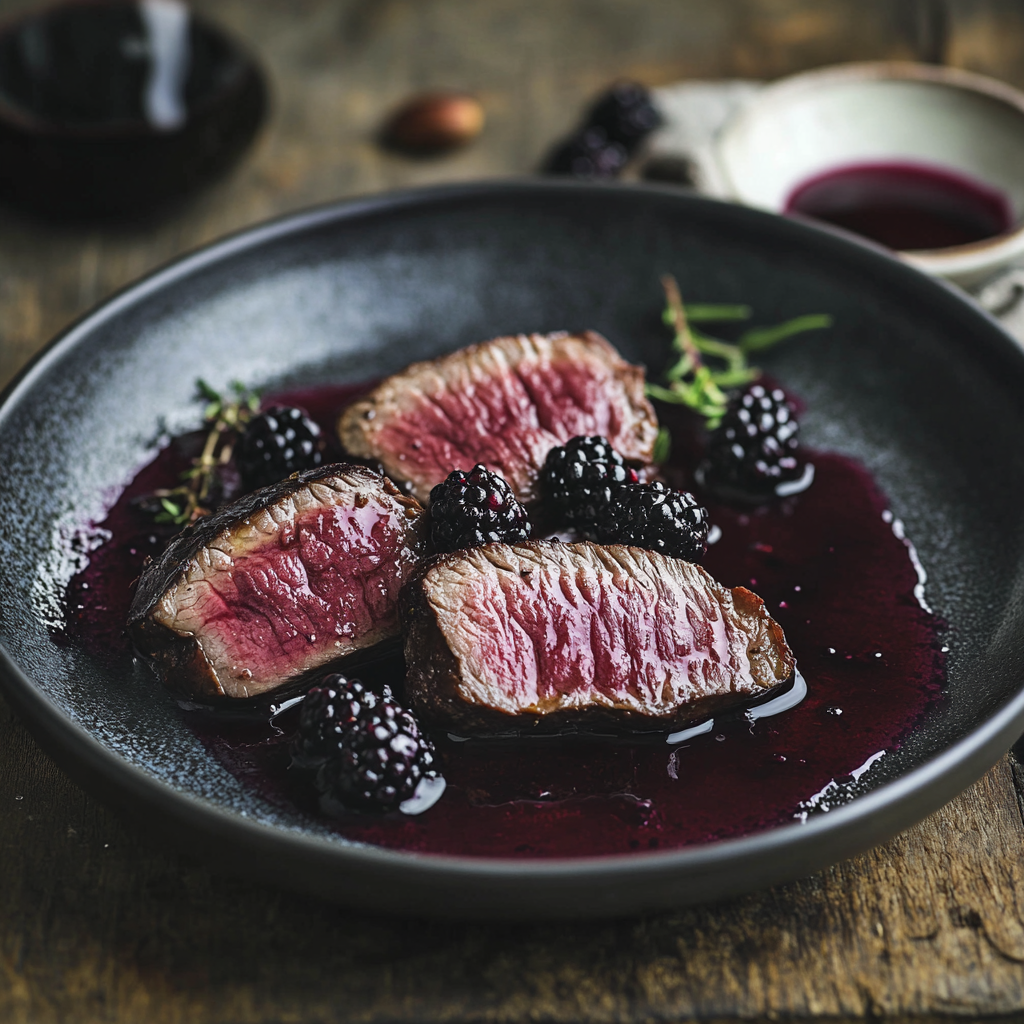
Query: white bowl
x,y
852,114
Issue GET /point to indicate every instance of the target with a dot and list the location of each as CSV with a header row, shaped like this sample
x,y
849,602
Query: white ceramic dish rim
x,y
969,263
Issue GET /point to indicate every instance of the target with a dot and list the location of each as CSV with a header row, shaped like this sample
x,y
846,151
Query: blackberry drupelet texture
x,y
579,479
326,712
654,517
279,441
755,447
369,751
474,508
381,759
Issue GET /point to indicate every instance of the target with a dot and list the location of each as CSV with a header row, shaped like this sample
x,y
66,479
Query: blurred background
x,y
98,923
336,69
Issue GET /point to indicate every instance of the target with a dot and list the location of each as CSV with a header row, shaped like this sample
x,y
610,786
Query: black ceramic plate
x,y
913,380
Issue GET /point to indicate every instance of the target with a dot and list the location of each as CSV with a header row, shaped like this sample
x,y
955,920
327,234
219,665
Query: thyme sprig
x,y
224,418
708,366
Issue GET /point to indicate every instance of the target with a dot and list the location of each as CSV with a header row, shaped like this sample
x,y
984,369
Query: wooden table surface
x,y
101,922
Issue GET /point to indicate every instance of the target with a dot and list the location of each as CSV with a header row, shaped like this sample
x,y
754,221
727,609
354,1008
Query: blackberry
x,y
475,508
380,758
580,477
626,114
278,442
755,447
615,126
588,154
326,712
654,517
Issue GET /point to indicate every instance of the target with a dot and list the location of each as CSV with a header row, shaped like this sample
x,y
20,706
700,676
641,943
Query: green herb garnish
x,y
662,446
224,418
708,366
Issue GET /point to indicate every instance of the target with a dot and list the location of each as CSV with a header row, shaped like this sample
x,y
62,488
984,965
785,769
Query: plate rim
x,y
864,822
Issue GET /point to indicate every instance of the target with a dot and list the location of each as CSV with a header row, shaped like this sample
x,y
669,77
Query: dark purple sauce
x,y
832,572
904,206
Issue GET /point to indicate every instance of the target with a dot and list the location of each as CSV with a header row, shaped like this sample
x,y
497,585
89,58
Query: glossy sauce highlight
x,y
905,206
833,569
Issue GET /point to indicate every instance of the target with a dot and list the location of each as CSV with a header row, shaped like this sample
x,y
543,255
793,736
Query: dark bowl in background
x,y
115,108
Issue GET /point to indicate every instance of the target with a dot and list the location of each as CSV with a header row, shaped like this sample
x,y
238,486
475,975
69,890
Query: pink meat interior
x,y
510,421
324,584
558,637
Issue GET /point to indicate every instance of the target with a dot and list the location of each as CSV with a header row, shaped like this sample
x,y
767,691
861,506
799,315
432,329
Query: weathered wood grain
x,y
337,67
99,922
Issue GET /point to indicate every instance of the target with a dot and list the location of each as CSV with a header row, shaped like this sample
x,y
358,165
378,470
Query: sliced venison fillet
x,y
505,403
282,581
542,634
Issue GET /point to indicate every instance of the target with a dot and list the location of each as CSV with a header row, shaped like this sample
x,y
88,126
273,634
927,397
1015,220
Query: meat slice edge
x,y
504,403
286,580
541,635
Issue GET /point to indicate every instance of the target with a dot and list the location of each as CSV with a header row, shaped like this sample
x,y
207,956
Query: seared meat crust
x,y
505,403
287,579
541,635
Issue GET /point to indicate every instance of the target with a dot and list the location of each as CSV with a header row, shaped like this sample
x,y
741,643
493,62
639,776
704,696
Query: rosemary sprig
x,y
690,380
223,418
662,446
701,312
765,337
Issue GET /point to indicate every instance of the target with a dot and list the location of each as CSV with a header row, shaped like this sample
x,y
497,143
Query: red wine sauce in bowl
x,y
904,206
834,570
